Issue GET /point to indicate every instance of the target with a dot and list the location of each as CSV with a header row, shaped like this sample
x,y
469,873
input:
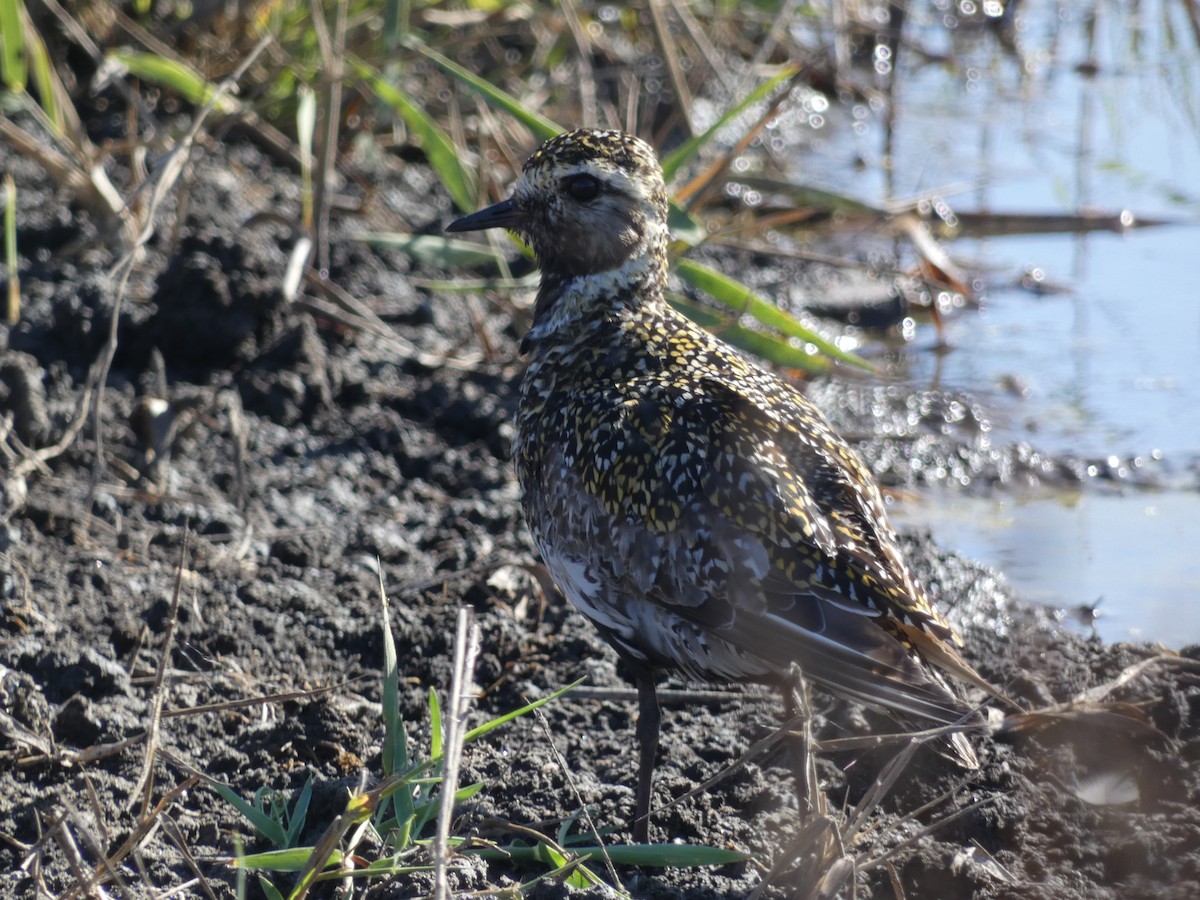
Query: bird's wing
x,y
763,537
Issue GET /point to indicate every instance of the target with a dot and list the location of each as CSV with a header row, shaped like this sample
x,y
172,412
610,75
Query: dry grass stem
x,y
144,786
582,806
462,688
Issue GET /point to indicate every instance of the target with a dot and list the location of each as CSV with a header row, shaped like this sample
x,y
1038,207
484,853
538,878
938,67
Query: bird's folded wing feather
x,y
769,536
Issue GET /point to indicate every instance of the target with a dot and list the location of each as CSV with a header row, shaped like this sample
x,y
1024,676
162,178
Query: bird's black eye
x,y
583,187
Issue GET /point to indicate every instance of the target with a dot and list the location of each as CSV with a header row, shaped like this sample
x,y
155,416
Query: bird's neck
x,y
571,306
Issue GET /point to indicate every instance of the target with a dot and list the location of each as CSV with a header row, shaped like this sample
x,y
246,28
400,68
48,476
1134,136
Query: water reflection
x,y
1087,108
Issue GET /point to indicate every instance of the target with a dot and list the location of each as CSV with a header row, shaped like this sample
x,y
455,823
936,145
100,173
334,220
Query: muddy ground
x,y
300,455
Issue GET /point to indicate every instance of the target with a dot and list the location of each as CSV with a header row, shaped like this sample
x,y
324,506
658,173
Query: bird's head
x,y
587,201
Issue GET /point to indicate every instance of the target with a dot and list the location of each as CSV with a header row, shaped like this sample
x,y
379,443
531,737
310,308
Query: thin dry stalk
x,y
633,92
865,861
1096,707
75,861
671,54
587,816
88,186
16,733
183,890
13,304
36,459
146,826
176,837
671,697
873,741
814,800
356,314
45,749
879,789
90,880
144,787
587,78
97,812
768,44
22,461
757,749
79,34
709,54
280,697
333,58
894,879
1129,673
239,430
466,648
816,842
104,870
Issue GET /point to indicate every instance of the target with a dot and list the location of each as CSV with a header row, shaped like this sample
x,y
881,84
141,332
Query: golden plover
x,y
697,508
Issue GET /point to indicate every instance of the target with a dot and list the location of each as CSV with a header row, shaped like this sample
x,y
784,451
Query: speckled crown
x,y
573,147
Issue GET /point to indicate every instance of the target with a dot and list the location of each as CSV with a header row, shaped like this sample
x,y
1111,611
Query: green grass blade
x,y
263,823
475,285
408,778
395,737
173,75
537,123
459,181
395,24
388,865
435,726
577,874
299,813
269,890
463,794
483,729
12,42
741,299
684,227
687,151
239,880
44,79
291,860
395,750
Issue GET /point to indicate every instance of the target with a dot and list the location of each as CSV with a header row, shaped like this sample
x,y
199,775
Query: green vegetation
x,y
442,79
383,830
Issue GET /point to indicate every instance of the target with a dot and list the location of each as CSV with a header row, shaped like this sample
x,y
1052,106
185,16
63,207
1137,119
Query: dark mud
x,y
286,457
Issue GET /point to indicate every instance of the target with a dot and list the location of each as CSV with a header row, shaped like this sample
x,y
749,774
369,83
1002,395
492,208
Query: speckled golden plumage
x,y
696,507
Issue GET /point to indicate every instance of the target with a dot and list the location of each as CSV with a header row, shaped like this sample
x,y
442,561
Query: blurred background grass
x,y
470,88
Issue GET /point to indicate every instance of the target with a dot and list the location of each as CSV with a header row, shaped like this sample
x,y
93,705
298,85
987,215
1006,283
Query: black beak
x,y
500,215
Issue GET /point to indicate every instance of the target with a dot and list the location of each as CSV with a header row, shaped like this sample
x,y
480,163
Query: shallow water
x,y
1109,364
1128,560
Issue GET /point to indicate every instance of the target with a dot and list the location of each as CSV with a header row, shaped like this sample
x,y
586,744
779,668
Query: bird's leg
x,y
649,718
804,771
